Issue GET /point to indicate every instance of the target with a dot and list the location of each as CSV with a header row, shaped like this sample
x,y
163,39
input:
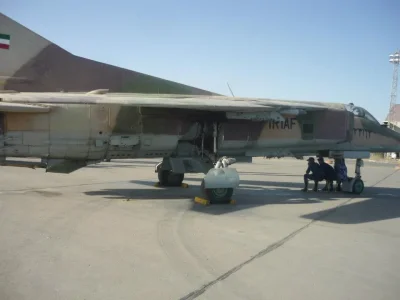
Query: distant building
x,y
394,116
394,123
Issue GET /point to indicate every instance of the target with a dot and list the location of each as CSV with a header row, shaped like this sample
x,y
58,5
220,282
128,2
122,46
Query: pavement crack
x,y
274,246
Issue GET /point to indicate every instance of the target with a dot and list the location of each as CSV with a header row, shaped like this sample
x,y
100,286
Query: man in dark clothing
x,y
317,174
329,174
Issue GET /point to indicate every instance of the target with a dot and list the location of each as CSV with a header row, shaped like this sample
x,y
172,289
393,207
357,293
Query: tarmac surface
x,y
105,232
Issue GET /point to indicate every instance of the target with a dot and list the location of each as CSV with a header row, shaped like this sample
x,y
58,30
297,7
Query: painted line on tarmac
x,y
205,287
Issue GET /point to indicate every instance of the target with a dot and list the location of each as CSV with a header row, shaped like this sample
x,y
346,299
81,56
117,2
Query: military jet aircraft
x,y
193,131
192,134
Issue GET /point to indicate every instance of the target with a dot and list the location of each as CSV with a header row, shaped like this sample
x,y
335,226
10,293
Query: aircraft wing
x,y
214,103
203,103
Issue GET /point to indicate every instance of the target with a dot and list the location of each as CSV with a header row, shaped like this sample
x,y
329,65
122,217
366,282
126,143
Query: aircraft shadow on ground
x,y
377,203
382,206
263,184
143,194
249,184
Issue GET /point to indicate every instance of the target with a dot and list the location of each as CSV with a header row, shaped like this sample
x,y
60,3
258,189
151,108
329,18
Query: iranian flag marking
x,y
4,41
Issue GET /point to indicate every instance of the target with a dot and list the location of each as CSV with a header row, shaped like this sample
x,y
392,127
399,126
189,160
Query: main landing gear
x,y
219,182
216,187
354,184
169,178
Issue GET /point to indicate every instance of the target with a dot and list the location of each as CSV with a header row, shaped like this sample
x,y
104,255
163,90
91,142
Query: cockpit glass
x,y
360,112
370,117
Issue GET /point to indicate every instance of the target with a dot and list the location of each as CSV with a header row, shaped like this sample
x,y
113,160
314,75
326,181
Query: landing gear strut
x,y
219,182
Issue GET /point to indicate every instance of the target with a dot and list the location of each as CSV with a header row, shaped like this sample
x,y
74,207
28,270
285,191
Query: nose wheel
x,y
358,186
354,185
216,195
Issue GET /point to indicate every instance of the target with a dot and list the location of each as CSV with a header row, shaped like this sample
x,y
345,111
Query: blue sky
x,y
307,50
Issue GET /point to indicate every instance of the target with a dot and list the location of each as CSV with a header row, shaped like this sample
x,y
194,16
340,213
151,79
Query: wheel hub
x,y
220,192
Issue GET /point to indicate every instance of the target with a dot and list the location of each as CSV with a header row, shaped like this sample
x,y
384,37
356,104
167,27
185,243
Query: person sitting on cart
x,y
316,174
341,172
329,174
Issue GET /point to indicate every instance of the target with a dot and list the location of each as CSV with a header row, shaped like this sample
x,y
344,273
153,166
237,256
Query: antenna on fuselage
x,y
230,89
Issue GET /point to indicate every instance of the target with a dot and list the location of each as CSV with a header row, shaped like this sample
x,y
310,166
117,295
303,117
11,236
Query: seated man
x,y
329,174
341,172
317,174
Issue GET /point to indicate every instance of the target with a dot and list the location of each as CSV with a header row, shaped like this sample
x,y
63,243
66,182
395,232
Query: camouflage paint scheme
x,y
71,129
92,127
34,64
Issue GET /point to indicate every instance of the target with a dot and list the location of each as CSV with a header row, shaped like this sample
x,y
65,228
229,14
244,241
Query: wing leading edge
x,y
226,104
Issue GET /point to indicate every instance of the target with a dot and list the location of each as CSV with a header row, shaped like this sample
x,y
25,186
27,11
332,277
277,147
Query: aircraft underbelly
x,y
265,147
151,142
141,145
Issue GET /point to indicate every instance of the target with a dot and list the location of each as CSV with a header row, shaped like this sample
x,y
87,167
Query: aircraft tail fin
x,y
31,63
18,46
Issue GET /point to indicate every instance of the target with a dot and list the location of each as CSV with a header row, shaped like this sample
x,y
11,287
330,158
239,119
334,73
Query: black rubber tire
x,y
217,196
358,186
203,190
168,178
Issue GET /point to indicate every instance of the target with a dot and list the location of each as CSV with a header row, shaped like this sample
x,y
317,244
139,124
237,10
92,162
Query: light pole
x,y
395,60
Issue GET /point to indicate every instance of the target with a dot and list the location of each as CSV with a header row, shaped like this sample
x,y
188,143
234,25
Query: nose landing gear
x,y
355,185
218,185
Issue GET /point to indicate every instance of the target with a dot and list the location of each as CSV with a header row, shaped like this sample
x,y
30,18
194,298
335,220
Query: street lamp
x,y
395,60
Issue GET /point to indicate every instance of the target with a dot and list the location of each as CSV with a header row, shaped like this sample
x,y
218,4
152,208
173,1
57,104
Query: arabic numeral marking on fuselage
x,y
361,132
287,124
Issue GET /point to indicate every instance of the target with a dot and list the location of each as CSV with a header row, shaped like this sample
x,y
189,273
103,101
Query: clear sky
x,y
307,50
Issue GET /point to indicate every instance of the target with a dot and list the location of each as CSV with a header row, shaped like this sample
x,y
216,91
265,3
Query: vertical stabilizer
x,y
30,63
18,45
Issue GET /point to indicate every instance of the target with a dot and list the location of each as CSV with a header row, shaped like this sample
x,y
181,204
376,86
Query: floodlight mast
x,y
395,60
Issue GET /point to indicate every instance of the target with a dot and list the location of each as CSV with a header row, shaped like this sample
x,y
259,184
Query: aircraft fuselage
x,y
96,132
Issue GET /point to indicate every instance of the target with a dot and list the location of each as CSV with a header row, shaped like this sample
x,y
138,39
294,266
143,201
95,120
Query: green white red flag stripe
x,y
4,41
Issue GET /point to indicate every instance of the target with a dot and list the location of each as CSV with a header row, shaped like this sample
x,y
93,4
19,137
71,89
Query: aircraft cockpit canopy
x,y
361,112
